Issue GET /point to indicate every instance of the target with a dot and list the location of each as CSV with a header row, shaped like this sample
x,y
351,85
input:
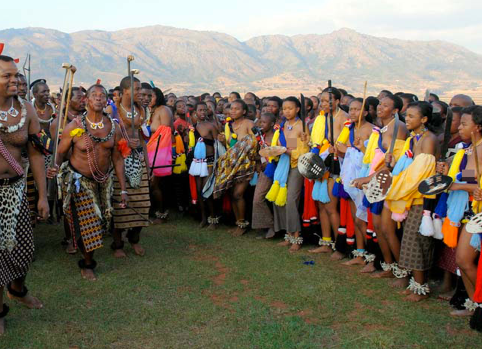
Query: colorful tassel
x,y
426,227
282,196
324,197
254,180
441,208
273,192
193,189
123,148
450,231
437,227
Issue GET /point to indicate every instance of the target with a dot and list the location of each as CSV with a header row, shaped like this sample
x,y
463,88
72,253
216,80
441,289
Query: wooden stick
x,y
363,105
69,95
476,159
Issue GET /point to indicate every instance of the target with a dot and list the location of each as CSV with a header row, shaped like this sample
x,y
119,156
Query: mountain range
x,y
189,61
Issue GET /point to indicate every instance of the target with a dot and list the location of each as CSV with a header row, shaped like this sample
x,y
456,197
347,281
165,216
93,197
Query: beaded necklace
x,y
97,174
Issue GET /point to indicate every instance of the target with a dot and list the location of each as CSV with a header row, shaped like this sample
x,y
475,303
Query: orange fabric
x,y
450,230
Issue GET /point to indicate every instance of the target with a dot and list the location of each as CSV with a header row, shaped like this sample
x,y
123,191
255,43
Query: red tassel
x,y
227,204
2,46
98,82
343,205
350,226
310,211
17,60
124,148
478,282
192,187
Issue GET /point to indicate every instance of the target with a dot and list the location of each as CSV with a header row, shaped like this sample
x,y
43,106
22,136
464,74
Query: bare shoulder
x,y
249,123
402,130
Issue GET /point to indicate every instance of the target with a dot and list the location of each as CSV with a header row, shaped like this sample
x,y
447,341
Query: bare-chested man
x,y
22,87
45,110
201,168
86,179
18,122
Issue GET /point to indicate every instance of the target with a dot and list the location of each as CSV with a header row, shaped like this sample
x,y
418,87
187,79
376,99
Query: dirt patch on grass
x,y
278,305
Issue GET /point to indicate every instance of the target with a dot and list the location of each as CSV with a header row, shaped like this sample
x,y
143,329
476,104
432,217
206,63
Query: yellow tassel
x,y
192,139
406,146
344,135
273,192
455,167
318,131
370,150
282,196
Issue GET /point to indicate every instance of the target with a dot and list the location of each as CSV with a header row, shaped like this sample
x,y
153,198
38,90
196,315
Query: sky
x,y
454,21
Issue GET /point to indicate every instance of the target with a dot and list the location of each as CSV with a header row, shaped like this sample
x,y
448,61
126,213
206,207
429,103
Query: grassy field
x,y
206,289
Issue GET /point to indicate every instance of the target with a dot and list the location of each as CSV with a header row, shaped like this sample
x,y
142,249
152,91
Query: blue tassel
x,y
270,169
377,208
324,197
200,150
254,180
315,194
402,165
336,190
174,154
365,170
315,150
475,241
457,204
441,208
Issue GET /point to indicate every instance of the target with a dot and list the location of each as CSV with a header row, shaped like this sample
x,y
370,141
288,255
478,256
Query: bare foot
x,y
355,261
284,243
88,274
416,297
400,283
369,268
321,249
238,232
337,256
405,292
461,312
446,296
270,234
29,301
70,248
119,253
138,250
383,275
294,248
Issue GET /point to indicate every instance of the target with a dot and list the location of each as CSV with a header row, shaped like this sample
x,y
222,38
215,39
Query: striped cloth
x,y
125,218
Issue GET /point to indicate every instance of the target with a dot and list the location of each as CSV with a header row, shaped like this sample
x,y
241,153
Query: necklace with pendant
x,y
290,127
12,112
385,128
128,113
95,125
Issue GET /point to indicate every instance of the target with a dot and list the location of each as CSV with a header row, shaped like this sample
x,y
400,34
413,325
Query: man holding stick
x,y
18,124
86,179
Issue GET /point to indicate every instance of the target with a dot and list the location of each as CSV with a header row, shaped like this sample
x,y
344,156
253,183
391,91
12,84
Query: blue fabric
x,y
475,241
254,180
441,208
315,193
380,142
377,208
200,150
282,138
365,202
315,150
324,197
365,170
336,190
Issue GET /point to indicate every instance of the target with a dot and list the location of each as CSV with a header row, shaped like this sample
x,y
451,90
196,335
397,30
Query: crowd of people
x,y
112,168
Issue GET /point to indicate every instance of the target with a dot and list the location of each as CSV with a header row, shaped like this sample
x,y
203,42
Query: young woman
x,y
236,167
262,217
359,131
466,254
404,200
375,159
288,181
